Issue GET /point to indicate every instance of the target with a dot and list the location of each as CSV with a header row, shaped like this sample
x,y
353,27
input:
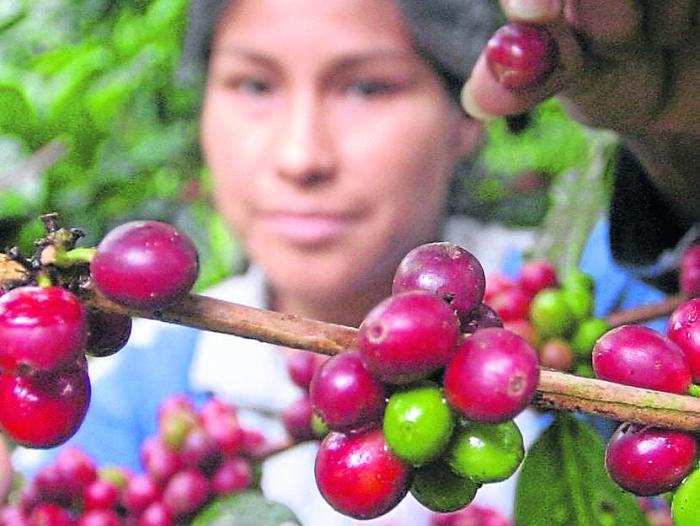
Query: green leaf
x,y
564,483
246,509
18,116
12,12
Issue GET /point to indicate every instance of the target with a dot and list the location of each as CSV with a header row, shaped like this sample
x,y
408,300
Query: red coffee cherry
x,y
522,56
44,410
41,329
639,356
689,271
492,377
536,275
145,265
359,476
684,330
408,336
649,461
444,269
346,395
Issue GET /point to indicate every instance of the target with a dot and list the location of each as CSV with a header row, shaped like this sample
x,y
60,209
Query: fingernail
x,y
469,105
534,9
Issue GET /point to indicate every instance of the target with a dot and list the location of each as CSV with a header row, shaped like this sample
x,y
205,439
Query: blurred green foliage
x,y
95,79
94,126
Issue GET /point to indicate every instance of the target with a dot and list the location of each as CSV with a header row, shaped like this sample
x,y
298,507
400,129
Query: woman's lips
x,y
308,228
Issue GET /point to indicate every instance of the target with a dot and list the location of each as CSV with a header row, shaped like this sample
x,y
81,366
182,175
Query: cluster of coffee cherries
x,y
555,315
195,457
46,332
298,418
646,460
414,405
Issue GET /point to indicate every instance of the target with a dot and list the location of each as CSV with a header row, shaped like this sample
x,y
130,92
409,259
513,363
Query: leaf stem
x,y
555,390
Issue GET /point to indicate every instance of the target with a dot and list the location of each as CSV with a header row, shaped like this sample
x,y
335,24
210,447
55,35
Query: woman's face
x,y
330,141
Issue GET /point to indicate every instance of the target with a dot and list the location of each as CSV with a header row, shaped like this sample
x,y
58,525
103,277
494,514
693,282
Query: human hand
x,y
6,471
628,65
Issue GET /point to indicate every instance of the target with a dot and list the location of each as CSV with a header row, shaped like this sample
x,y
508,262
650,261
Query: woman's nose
x,y
306,154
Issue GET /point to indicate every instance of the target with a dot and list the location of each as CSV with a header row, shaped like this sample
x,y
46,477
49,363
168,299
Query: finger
x,y
539,11
484,98
607,28
668,23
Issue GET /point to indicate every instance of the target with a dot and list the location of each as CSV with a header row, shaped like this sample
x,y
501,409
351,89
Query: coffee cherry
x,y
51,486
41,329
221,423
346,395
649,461
77,469
359,475
418,423
100,518
159,461
185,493
441,490
522,56
408,336
684,330
689,271
556,354
101,495
686,501
580,301
44,410
492,377
482,317
176,419
200,451
296,418
586,334
511,304
11,515
156,514
536,275
108,332
301,366
495,284
444,269
145,265
234,475
486,453
140,491
525,330
639,356
551,314
50,514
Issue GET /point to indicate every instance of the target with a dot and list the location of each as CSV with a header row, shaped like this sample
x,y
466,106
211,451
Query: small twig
x,y
555,390
648,312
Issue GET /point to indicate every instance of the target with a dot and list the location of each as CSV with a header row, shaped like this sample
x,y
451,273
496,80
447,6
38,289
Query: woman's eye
x,y
373,87
250,86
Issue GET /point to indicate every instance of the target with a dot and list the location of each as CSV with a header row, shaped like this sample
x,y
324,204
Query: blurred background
x,y
94,125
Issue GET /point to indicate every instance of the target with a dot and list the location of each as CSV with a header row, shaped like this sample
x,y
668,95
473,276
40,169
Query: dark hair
x,y
450,34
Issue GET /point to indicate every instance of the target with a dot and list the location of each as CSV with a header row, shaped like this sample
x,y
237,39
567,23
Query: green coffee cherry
x,y
418,423
578,279
587,334
486,452
551,314
685,506
581,302
441,490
